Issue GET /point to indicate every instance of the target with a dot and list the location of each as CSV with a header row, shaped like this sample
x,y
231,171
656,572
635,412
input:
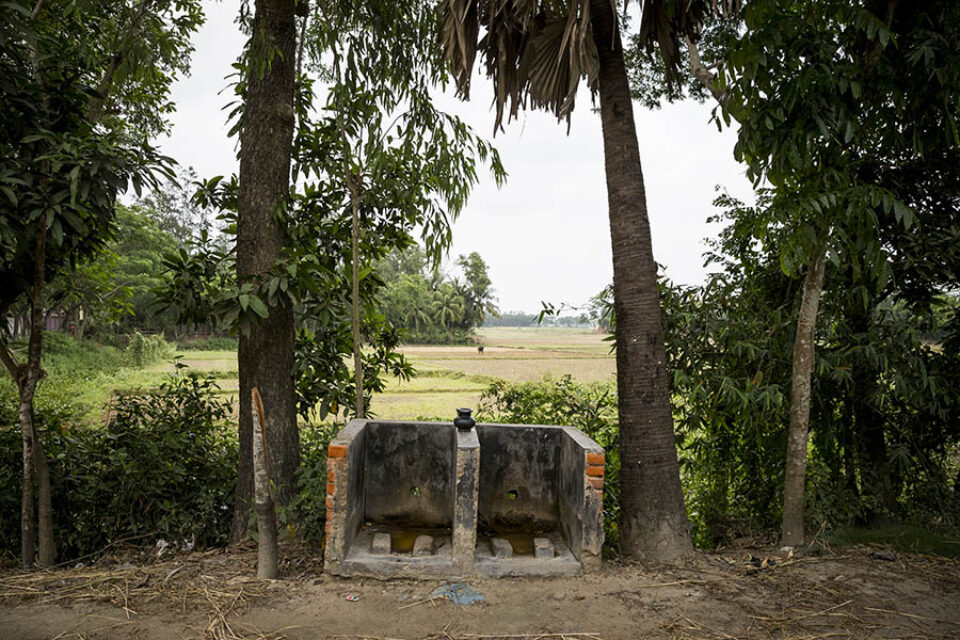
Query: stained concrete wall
x,y
356,485
519,478
573,465
497,478
409,473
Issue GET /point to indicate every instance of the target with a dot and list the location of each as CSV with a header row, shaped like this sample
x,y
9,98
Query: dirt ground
x,y
861,592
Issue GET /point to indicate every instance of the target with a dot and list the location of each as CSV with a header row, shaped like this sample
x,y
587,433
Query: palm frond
x,y
665,23
537,51
458,36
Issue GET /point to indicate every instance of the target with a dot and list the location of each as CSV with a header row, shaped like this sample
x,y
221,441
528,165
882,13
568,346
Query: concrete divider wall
x,y
573,463
583,463
345,491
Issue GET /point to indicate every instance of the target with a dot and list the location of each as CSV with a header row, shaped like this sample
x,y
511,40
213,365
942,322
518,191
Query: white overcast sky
x,y
544,234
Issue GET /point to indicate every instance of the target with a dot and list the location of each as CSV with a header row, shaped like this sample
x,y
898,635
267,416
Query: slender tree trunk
x,y
800,391
355,301
653,517
266,510
875,475
849,459
266,354
956,488
27,379
27,528
46,549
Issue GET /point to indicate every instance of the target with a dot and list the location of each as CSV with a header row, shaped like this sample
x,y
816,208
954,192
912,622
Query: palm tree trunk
x,y
800,392
653,516
266,354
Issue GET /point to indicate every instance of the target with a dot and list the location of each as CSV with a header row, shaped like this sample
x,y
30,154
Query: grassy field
x,y
451,377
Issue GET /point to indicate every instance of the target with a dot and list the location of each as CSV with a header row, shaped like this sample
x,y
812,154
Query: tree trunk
x,y
27,380
266,354
266,510
46,548
355,298
653,516
879,496
27,529
803,361
849,459
956,488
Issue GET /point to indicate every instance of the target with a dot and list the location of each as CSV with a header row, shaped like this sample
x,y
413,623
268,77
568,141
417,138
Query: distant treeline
x,y
523,319
431,306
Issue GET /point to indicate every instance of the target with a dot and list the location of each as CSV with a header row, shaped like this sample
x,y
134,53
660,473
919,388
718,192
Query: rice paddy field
x,y
455,376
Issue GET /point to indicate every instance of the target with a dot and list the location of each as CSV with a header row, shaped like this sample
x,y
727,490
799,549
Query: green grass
x,y
449,376
86,375
905,538
454,376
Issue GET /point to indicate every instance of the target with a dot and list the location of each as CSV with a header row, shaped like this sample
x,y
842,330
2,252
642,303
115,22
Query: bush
x,y
213,343
164,467
143,350
65,355
307,512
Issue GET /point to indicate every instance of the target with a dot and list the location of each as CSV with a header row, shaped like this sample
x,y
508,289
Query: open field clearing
x,y
455,376
451,376
547,339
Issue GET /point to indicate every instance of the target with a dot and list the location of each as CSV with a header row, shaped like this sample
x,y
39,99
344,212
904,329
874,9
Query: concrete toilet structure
x,y
428,499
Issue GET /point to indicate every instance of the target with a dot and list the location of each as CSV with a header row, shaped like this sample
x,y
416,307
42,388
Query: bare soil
x,y
861,592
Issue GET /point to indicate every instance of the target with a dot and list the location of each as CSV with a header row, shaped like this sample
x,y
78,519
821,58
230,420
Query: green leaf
x,y
10,195
256,304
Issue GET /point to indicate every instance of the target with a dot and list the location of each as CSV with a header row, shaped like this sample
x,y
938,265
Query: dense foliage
x,y
163,466
431,307
884,442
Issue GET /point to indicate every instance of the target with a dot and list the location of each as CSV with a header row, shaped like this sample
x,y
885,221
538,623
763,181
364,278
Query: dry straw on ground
x,y
768,596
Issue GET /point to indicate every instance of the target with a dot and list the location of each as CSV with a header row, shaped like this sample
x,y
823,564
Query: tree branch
x,y
95,112
703,75
36,8
9,362
873,53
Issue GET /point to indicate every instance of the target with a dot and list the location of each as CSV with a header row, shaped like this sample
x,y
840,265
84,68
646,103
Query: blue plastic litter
x,y
458,593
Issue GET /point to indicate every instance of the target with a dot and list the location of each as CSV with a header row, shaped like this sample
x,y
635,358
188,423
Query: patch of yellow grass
x,y
452,376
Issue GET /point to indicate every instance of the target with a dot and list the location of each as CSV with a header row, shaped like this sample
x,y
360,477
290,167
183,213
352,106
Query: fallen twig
x,y
912,615
418,603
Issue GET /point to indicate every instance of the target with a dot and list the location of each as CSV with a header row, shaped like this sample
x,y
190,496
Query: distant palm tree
x,y
419,314
447,306
537,51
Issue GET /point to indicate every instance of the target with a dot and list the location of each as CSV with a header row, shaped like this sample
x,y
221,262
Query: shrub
x,y
307,513
212,343
65,355
143,350
164,467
